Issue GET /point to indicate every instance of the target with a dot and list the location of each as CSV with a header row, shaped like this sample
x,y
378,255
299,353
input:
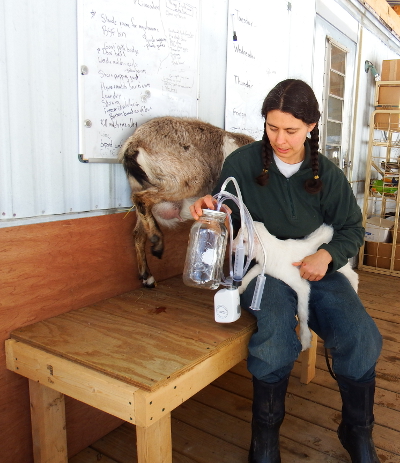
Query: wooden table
x,y
136,356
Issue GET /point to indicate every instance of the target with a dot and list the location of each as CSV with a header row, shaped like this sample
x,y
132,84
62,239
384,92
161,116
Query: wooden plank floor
x,y
214,426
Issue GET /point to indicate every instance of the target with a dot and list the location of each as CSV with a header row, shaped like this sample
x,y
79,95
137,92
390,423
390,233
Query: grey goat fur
x,y
170,162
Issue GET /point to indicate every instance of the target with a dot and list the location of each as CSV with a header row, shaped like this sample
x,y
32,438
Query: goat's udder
x,y
168,211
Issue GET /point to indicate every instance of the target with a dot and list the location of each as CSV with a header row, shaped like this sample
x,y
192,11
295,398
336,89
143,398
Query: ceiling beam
x,y
385,12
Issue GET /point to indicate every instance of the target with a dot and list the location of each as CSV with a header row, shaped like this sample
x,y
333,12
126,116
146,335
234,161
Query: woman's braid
x,y
314,185
266,151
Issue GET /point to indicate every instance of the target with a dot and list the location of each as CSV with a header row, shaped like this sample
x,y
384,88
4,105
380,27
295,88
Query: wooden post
x,y
154,444
308,359
48,424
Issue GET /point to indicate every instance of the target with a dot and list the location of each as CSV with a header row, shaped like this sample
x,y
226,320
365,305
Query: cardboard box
x,y
378,255
387,121
378,229
388,98
390,69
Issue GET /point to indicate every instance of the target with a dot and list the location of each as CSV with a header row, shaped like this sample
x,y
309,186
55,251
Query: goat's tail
x,y
128,155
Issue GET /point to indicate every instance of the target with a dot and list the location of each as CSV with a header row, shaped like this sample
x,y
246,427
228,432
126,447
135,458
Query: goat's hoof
x,y
157,247
149,282
157,252
154,239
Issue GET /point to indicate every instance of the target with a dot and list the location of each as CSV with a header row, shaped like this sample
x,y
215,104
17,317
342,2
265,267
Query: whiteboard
x,y
138,59
257,59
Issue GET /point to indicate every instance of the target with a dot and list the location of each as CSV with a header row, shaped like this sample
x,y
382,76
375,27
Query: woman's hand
x,y
315,266
206,202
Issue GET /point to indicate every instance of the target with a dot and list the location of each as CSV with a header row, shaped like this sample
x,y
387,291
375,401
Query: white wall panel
x,y
332,12
41,178
301,37
213,39
5,142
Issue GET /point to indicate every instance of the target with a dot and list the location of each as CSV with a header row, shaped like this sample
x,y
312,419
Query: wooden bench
x,y
136,356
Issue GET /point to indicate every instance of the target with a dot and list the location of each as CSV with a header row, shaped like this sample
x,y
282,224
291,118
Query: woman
x,y
292,189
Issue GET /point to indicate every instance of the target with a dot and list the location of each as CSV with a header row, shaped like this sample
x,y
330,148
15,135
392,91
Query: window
x,y
334,102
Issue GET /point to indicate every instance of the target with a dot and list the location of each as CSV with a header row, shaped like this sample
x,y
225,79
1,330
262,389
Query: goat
x,y
280,254
170,162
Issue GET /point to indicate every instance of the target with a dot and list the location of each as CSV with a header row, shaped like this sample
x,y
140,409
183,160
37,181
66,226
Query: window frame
x,y
330,42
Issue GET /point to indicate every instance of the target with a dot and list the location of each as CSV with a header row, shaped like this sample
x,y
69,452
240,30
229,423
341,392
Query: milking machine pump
x,y
205,256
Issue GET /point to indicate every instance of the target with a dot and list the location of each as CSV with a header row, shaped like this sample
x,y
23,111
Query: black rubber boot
x,y
355,430
268,414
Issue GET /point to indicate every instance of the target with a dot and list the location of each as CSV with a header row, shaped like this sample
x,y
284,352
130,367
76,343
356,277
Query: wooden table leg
x,y
154,444
48,424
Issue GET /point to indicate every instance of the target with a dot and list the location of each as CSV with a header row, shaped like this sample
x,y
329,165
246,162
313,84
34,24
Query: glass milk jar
x,y
206,251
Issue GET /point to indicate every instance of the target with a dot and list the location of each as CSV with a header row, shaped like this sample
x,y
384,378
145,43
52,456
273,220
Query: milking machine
x,y
205,256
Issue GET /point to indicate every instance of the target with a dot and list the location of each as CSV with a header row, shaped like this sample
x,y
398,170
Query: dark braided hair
x,y
296,98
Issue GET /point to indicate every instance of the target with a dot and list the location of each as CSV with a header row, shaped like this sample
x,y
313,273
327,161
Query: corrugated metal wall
x,y
40,175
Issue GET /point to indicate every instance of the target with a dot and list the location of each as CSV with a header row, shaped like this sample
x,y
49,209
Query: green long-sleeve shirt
x,y
287,210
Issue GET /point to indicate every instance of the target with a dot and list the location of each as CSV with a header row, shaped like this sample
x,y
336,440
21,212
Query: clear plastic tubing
x,y
246,221
238,268
207,243
258,292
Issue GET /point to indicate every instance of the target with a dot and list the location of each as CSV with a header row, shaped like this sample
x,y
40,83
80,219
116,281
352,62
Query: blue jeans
x,y
336,314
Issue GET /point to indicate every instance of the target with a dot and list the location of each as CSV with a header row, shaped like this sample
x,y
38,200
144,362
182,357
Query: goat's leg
x,y
144,201
302,289
351,275
252,273
139,238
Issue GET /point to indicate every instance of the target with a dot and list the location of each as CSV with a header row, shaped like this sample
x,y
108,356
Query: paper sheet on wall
x,y
138,59
257,59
